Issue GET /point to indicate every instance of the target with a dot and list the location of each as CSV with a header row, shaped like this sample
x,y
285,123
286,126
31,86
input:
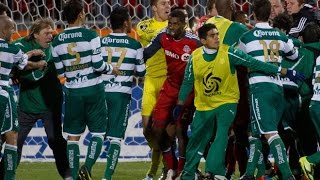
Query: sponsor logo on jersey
x,y
185,57
261,33
64,36
171,54
107,40
79,79
4,45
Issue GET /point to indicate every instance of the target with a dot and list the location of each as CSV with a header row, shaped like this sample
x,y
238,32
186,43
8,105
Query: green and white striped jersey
x,y
77,56
10,55
126,53
269,45
316,81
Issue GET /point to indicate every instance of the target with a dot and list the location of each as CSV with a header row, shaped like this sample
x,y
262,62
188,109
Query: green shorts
x,y
8,111
85,110
266,109
118,114
291,106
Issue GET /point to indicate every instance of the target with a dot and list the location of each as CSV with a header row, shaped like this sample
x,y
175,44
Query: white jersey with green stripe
x,y
268,45
10,55
77,56
126,53
316,81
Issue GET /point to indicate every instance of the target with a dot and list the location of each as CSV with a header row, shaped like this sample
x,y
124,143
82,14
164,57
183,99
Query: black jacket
x,y
300,19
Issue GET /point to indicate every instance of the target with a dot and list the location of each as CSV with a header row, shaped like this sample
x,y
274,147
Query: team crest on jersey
x,y
211,84
144,26
186,49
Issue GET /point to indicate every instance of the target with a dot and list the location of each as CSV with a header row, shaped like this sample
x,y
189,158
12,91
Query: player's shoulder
x,y
9,47
134,43
191,36
240,26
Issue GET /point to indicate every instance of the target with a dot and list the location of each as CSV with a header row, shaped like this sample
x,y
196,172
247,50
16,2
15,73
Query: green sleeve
x,y
26,46
234,30
187,83
237,57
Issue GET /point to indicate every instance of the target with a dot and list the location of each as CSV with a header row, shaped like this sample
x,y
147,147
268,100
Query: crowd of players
x,y
246,91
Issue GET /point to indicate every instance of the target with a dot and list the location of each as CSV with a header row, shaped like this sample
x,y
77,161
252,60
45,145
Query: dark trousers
x,y
53,129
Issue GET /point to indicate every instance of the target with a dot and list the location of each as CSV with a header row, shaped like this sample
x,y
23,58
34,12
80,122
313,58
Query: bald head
x,y
6,27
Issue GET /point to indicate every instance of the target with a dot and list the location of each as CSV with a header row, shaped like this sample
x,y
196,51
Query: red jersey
x,y
177,53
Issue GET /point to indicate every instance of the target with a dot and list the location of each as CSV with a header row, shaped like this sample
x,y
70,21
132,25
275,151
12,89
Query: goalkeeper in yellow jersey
x,y
156,73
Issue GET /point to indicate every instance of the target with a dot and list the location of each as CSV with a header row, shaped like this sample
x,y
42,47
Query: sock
x,y
155,161
112,158
280,157
314,158
94,151
10,161
73,153
181,162
169,158
255,151
261,167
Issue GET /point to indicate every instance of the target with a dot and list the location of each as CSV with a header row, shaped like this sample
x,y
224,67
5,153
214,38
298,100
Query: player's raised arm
x,y
153,46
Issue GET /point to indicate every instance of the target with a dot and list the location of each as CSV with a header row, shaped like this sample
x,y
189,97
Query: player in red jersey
x,y
177,45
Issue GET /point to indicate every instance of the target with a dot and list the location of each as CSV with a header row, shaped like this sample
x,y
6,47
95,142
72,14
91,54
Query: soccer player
x,y
178,45
288,123
268,45
229,34
11,55
77,56
211,70
311,37
41,95
156,73
127,54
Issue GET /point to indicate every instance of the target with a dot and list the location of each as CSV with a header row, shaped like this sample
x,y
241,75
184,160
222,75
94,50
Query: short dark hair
x,y
72,9
262,9
210,4
3,8
311,33
178,14
203,30
118,16
283,21
238,14
38,25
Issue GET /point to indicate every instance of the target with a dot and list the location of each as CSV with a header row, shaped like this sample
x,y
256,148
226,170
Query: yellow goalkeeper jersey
x,y
156,66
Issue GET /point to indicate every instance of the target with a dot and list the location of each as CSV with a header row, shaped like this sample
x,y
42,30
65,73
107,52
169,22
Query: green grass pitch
x,y
48,171
124,171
